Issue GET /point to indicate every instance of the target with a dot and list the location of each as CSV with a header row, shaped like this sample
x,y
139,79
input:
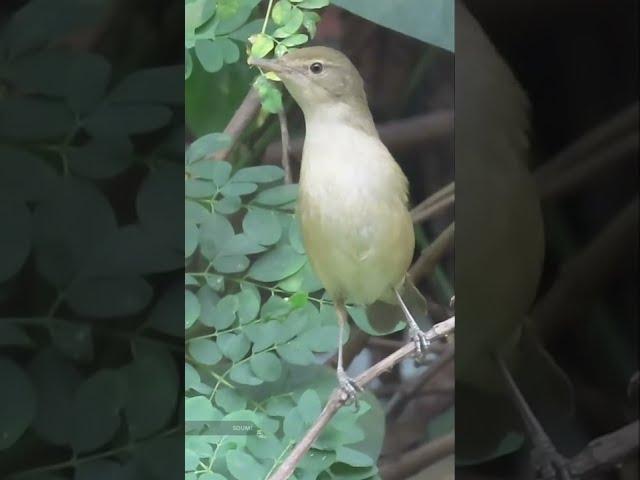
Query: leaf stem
x,y
266,19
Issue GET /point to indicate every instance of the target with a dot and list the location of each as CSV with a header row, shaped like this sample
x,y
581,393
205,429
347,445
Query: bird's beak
x,y
274,65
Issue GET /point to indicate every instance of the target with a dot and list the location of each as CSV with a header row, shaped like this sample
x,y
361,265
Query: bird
x,y
353,196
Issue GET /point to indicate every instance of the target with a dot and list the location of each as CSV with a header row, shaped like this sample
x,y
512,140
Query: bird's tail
x,y
386,315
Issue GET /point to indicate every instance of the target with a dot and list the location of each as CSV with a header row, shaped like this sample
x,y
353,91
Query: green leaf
x,y
230,51
293,425
232,14
68,227
309,406
195,212
310,21
258,174
191,308
228,205
277,264
101,157
353,457
322,338
313,4
266,366
197,12
263,335
281,11
294,40
239,188
275,307
270,95
15,242
234,346
112,120
296,352
229,400
191,234
230,263
431,22
261,45
224,313
293,24
13,336
243,33
204,351
249,303
215,233
210,55
152,386
241,244
200,409
241,373
262,225
243,466
102,297
25,176
275,196
34,119
205,146
17,403
154,85
96,415
279,406
55,379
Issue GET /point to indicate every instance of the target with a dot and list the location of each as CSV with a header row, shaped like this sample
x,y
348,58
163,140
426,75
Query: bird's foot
x,y
422,343
349,387
548,464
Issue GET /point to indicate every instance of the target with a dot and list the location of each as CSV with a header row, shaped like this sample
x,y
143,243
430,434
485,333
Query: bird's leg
x,y
418,336
348,385
548,464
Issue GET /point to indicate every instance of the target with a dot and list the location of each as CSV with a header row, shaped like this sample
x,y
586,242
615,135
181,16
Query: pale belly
x,y
356,227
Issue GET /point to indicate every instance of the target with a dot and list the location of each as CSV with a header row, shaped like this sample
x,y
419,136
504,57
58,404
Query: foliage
x,y
256,332
431,21
88,330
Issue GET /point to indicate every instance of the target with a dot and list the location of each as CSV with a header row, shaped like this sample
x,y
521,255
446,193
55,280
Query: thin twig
x,y
623,121
241,119
284,135
418,459
606,451
432,254
426,210
338,398
581,276
587,169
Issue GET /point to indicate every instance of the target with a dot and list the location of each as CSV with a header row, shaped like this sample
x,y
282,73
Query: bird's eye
x,y
316,67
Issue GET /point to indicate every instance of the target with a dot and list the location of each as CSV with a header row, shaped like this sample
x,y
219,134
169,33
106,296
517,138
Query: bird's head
x,y
318,77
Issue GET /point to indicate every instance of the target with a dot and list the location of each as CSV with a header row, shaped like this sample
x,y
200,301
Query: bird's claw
x,y
422,343
550,465
350,388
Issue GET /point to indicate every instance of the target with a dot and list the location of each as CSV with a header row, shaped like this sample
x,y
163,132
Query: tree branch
x,y
241,119
431,255
284,135
623,121
606,451
581,276
338,398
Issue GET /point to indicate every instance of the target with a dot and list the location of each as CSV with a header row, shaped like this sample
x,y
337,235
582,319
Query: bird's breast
x,y
352,207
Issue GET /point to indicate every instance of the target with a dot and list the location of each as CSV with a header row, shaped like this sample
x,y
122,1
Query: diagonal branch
x,y
338,398
241,119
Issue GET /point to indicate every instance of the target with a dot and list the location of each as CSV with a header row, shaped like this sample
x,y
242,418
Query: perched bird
x,y
352,206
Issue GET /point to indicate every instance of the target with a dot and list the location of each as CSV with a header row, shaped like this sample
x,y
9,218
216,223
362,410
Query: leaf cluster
x,y
257,330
